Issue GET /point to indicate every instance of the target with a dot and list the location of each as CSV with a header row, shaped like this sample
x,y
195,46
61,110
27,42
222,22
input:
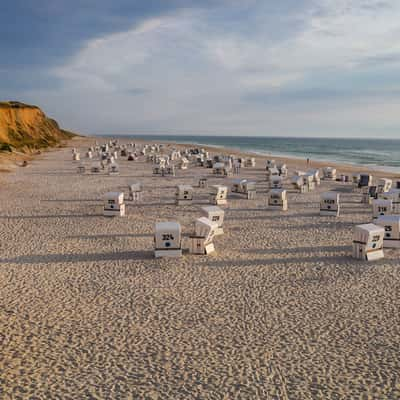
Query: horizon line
x,y
245,136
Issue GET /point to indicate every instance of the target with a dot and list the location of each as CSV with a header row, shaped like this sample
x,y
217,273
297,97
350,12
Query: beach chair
x,y
365,194
315,174
384,185
81,169
391,225
308,181
113,169
250,162
249,189
276,182
355,178
368,242
277,199
365,180
238,185
169,170
215,214
183,195
272,171
329,173
132,156
283,170
394,196
184,163
297,183
135,192
156,170
114,204
329,204
270,164
202,183
218,195
168,239
96,168
219,169
202,241
381,207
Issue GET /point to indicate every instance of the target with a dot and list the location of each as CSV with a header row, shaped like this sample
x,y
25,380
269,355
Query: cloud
x,y
45,31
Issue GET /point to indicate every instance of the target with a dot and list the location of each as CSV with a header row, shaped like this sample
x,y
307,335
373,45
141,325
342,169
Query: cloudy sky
x,y
239,67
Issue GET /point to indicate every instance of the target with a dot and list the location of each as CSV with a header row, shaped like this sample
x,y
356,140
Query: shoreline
x,y
10,161
291,161
395,171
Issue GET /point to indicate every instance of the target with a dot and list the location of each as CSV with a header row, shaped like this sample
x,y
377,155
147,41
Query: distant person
x,y
308,161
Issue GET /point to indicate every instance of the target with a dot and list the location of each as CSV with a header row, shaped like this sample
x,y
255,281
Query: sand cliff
x,y
25,127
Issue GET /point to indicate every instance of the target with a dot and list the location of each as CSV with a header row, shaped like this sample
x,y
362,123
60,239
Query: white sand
x,y
280,312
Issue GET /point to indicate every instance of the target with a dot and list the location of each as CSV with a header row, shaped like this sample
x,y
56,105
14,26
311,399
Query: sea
x,y
377,153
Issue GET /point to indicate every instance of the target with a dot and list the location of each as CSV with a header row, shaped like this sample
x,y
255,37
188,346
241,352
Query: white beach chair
x,y
276,182
384,185
215,214
368,242
277,199
330,204
202,183
391,225
81,168
202,241
218,195
184,194
135,192
381,207
168,239
329,173
114,204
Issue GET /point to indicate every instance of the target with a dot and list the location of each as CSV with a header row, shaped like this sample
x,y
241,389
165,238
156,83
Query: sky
x,y
222,67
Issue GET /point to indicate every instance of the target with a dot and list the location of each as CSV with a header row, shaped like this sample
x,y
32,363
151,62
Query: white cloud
x,y
193,70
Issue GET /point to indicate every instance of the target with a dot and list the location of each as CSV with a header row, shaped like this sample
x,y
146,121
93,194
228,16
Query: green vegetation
x,y
15,104
5,147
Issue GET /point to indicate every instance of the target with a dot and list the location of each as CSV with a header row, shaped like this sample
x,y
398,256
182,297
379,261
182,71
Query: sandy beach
x,y
280,311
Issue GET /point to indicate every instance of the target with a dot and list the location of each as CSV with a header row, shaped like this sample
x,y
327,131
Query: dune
x,y
25,127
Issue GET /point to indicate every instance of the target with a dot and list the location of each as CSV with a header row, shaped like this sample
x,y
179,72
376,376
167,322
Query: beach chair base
x,y
115,213
329,213
168,253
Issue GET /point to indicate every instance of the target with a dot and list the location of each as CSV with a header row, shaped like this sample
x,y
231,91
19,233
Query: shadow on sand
x,y
50,216
309,250
110,236
76,258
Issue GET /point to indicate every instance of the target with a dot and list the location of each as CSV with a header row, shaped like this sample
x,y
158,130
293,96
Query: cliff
x,y
25,128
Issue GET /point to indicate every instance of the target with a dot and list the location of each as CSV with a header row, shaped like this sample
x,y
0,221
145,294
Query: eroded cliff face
x,y
26,127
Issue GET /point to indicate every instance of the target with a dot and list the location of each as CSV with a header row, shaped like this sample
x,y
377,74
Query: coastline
x,y
293,162
245,147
